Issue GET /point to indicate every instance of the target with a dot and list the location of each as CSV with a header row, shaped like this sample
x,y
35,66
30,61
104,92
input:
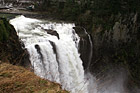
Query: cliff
x,y
117,47
11,49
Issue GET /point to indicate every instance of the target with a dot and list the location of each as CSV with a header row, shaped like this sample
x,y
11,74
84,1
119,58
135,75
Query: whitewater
x,y
55,56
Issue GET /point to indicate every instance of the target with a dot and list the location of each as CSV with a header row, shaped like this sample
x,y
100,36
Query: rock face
x,y
85,46
52,32
118,47
11,49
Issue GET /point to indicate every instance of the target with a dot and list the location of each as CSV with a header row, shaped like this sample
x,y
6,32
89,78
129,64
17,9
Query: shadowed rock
x,y
84,45
39,52
54,47
52,32
11,49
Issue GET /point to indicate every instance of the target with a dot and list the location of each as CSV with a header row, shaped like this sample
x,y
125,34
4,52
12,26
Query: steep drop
x,y
55,59
55,56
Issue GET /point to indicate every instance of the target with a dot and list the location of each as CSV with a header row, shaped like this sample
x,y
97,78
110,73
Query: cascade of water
x,y
91,49
55,59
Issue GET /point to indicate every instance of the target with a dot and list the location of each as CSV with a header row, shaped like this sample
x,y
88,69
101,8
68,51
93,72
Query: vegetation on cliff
x,y
11,50
89,13
16,79
4,30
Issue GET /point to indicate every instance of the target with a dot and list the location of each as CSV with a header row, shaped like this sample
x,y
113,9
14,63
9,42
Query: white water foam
x,y
64,66
58,59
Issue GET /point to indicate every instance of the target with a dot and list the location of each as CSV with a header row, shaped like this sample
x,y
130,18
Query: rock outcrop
x,y
85,46
11,49
118,47
52,32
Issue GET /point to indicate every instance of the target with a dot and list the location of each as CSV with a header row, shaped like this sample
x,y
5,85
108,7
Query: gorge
x,y
87,46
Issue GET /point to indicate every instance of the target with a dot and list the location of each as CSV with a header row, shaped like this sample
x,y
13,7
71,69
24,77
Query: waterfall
x,y
53,49
53,58
91,49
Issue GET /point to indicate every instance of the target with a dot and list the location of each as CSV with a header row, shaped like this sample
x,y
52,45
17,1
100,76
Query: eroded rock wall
x,y
117,48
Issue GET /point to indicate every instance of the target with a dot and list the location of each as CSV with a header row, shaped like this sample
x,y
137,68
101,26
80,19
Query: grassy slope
x,y
15,79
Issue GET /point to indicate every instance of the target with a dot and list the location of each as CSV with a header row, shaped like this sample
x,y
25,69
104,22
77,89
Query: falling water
x,y
55,59
91,49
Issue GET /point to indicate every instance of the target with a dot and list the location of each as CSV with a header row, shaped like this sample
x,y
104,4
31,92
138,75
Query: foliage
x,y
71,10
42,5
4,30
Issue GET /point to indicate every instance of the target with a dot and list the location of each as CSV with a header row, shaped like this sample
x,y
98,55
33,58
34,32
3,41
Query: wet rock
x,y
118,47
39,51
54,47
80,31
52,32
84,45
37,48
